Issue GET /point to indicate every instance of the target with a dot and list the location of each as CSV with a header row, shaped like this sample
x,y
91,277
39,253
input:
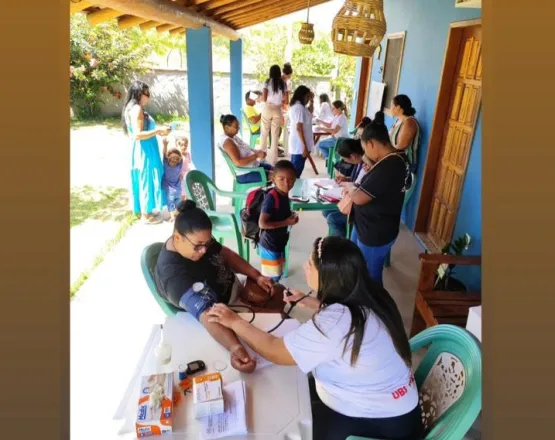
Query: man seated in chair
x,y
194,272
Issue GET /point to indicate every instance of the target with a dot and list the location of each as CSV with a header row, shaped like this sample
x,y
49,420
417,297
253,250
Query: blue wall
x,y
426,23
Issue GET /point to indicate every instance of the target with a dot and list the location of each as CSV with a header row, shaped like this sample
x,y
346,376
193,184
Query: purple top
x,y
172,175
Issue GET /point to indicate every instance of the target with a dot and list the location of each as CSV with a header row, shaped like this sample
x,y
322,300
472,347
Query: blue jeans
x,y
254,176
337,222
326,145
374,256
298,162
173,197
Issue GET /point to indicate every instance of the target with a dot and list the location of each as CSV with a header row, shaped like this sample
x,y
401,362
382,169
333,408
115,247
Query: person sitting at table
x,y
251,112
324,112
352,153
194,272
355,346
338,127
239,152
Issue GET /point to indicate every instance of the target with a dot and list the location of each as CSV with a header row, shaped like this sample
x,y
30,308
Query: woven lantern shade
x,y
359,27
306,34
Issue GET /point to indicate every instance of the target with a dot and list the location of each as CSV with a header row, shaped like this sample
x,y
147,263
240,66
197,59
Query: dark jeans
x,y
328,424
337,222
374,256
254,177
298,162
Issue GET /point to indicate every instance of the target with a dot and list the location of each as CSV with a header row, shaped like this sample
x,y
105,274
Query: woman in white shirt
x,y
325,114
239,152
338,127
275,96
355,346
301,140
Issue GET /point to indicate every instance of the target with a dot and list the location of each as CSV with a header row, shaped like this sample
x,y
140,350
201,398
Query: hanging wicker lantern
x,y
359,27
306,34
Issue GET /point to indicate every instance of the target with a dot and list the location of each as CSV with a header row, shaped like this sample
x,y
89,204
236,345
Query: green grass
x,y
104,204
125,225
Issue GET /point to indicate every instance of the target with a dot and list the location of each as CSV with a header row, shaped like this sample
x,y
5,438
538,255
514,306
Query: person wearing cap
x,y
251,112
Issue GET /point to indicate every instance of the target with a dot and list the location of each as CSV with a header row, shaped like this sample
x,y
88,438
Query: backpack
x,y
250,214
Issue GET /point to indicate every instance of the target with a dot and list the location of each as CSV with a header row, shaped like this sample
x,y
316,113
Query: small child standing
x,y
182,143
171,182
275,219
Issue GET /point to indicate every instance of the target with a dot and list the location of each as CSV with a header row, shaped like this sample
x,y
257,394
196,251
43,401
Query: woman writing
x,y
146,165
355,346
301,140
338,127
275,96
405,133
378,200
351,152
194,272
239,152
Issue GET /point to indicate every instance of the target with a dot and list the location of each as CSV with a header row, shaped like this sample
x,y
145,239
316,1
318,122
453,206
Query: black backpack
x,y
250,214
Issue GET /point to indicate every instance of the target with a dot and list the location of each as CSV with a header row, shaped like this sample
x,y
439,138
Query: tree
x,y
104,57
265,46
316,59
345,79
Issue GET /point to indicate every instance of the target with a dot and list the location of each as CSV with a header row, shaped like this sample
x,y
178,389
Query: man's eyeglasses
x,y
199,247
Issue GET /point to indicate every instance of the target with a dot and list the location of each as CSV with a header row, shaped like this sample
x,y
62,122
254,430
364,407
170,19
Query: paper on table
x,y
336,193
326,183
287,326
234,420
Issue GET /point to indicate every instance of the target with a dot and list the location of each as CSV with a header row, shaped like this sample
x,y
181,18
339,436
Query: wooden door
x,y
464,104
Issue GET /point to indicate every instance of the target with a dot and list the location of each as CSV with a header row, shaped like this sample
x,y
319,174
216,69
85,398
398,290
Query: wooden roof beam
x,y
213,4
130,21
166,11
149,25
103,15
257,9
261,17
166,27
78,6
219,11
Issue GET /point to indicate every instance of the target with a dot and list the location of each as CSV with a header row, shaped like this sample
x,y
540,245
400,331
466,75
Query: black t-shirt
x,y
377,222
275,240
175,275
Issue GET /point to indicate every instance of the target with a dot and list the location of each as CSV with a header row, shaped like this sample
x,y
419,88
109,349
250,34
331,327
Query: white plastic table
x,y
278,398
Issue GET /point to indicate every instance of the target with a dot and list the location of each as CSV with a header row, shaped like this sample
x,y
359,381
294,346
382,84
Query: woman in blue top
x,y
146,163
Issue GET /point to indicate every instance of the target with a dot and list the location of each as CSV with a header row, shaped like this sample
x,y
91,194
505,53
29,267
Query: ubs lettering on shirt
x,y
403,391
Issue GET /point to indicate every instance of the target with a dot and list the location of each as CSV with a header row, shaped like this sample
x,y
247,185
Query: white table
x,y
278,398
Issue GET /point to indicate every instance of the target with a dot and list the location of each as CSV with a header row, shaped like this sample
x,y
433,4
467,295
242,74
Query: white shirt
x,y
325,113
244,149
274,98
299,113
342,122
379,385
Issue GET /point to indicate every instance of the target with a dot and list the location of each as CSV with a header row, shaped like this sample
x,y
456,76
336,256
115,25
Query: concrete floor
x,y
113,313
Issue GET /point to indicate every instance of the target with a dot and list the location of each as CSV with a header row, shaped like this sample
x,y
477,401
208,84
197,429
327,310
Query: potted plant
x,y
444,278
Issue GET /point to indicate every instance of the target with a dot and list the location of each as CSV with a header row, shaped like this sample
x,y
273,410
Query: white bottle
x,y
163,352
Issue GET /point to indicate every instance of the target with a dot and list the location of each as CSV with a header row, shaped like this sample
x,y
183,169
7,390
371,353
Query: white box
x,y
208,396
474,322
153,418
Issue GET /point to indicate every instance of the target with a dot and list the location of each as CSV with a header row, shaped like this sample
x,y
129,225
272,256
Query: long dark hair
x,y
343,278
405,103
299,96
275,79
137,89
376,130
191,219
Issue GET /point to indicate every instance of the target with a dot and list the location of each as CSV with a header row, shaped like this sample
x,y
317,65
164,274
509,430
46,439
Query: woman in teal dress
x,y
146,163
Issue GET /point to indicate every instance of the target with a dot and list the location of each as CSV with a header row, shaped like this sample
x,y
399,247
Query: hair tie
x,y
320,248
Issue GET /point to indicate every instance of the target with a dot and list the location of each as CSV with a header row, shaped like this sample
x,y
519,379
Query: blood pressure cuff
x,y
196,303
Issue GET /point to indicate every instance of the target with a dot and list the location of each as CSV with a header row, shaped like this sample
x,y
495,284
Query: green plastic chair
x,y
254,137
243,187
149,257
408,196
449,381
333,157
225,225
